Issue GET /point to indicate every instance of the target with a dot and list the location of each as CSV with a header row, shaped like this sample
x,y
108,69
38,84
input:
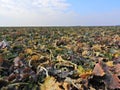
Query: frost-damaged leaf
x,y
98,71
17,62
4,44
50,84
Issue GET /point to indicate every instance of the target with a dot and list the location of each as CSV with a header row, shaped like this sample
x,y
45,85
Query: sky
x,y
59,12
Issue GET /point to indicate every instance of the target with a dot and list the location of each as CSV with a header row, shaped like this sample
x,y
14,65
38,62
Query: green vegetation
x,y
60,58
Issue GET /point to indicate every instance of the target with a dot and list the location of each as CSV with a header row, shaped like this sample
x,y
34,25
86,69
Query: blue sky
x,y
59,12
87,6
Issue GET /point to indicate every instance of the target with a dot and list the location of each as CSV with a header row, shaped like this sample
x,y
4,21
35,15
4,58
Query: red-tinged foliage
x,y
11,77
117,69
98,71
114,82
1,59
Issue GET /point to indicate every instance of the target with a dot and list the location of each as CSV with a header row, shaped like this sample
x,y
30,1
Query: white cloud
x,y
39,4
50,12
52,4
35,12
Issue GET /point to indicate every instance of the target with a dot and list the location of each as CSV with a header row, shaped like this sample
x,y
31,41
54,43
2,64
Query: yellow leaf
x,y
69,47
110,63
84,53
35,57
97,53
34,46
50,84
83,73
86,74
59,58
116,55
66,86
28,51
80,69
96,47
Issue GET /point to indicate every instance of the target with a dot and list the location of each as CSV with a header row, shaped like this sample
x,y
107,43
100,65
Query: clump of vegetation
x,y
65,58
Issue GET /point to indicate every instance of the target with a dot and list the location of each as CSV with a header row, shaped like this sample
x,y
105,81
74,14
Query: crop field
x,y
60,58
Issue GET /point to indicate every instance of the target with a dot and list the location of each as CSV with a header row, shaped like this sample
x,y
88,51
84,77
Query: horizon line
x,y
62,26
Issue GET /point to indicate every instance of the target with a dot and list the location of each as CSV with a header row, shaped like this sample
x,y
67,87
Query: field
x,y
60,58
